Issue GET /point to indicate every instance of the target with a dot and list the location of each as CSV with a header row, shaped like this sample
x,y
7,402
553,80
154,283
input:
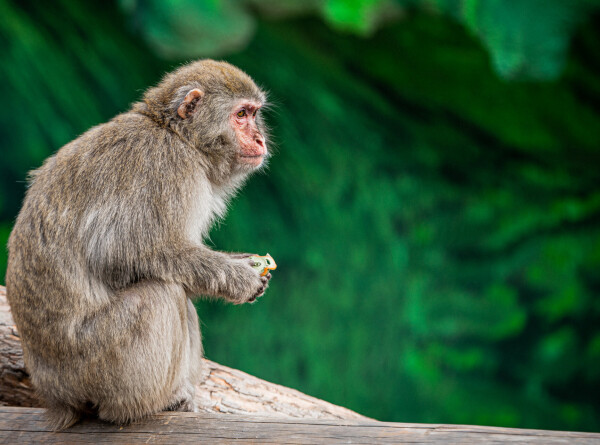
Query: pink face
x,y
252,143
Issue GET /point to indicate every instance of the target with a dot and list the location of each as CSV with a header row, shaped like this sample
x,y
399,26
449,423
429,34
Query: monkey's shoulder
x,y
124,132
130,142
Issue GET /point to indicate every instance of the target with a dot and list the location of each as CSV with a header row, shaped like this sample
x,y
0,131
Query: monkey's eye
x,y
241,113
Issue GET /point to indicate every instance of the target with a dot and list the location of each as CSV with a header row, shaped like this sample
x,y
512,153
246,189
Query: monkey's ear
x,y
189,104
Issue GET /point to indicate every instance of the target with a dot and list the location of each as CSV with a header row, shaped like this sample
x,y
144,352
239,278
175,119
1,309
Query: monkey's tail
x,y
62,417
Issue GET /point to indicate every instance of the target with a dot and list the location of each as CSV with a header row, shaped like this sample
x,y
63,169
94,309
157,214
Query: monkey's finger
x,y
259,293
241,256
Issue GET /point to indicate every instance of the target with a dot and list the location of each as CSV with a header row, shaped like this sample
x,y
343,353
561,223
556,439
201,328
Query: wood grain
x,y
27,426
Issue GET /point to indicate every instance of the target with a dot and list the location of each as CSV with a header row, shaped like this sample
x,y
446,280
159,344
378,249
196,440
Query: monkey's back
x,y
70,221
72,256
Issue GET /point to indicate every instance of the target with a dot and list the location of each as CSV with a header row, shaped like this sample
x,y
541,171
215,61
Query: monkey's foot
x,y
183,405
183,399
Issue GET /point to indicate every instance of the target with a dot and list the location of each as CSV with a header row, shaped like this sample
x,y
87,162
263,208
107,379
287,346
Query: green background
x,y
433,203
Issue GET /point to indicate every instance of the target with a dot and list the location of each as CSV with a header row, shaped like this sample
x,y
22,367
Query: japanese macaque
x,y
108,248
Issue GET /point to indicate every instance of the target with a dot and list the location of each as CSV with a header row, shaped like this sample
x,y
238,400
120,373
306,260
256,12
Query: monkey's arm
x,y
198,269
204,271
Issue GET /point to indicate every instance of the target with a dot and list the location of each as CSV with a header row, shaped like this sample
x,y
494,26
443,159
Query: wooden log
x,y
235,406
28,426
225,390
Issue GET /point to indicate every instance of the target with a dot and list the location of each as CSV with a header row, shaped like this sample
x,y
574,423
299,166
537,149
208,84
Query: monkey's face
x,y
216,107
229,130
251,142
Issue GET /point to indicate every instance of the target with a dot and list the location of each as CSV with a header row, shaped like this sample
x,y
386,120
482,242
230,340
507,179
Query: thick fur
x,y
107,251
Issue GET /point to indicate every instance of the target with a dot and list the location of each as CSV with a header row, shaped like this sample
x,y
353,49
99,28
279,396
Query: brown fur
x,y
107,250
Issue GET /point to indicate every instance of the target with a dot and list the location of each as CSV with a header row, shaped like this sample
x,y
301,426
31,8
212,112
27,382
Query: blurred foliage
x,y
525,38
437,228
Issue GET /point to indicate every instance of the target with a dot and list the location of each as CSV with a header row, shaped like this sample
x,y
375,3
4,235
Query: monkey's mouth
x,y
255,160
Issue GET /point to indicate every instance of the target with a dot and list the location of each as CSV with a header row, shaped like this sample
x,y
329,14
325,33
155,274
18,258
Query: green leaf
x,y
191,28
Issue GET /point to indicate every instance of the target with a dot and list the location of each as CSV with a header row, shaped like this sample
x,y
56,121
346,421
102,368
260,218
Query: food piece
x,y
264,263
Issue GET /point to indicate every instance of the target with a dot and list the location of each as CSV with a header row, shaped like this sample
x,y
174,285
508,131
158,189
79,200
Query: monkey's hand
x,y
245,284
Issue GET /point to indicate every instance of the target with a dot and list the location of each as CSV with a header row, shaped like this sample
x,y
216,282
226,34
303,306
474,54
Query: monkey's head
x,y
216,108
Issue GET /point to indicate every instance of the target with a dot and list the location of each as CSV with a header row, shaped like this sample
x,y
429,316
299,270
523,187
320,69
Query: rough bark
x,y
226,390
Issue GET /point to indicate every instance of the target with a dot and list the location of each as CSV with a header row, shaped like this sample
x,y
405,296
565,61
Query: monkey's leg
x,y
141,350
183,397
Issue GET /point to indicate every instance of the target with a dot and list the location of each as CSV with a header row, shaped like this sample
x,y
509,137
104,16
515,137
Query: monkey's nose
x,y
260,142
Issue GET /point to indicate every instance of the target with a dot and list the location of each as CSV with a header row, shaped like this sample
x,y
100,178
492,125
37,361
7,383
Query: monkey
x,y
109,250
